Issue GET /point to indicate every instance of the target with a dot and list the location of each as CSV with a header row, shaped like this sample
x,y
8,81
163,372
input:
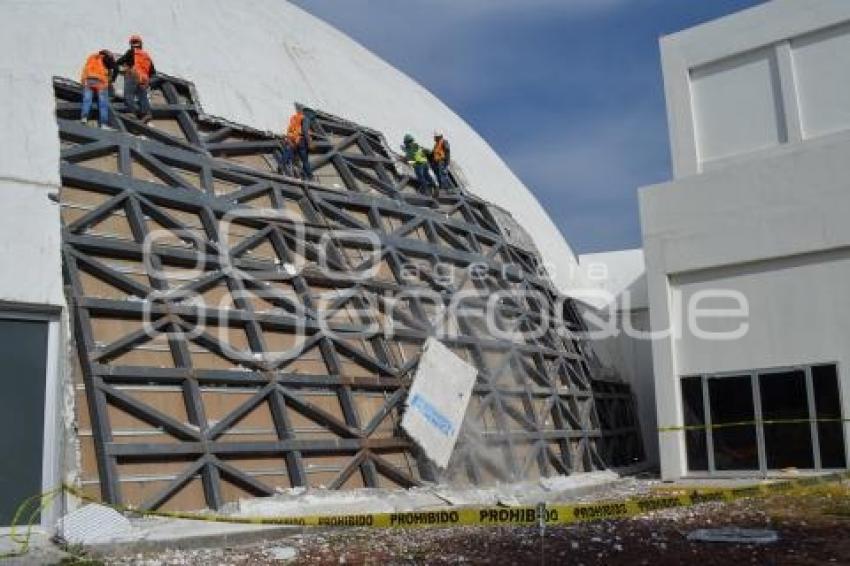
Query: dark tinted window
x,y
23,349
731,400
828,410
694,413
784,398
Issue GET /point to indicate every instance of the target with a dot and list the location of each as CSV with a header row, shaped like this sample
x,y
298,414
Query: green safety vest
x,y
415,155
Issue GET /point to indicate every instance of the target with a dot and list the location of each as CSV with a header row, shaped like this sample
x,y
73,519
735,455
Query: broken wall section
x,y
238,334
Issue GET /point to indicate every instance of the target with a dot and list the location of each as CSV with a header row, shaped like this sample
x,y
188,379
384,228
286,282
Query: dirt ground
x,y
813,527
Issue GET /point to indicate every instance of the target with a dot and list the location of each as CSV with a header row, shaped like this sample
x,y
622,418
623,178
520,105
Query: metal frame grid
x,y
538,408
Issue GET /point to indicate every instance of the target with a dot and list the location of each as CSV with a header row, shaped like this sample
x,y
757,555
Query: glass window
x,y
23,349
694,413
725,435
828,411
731,403
784,398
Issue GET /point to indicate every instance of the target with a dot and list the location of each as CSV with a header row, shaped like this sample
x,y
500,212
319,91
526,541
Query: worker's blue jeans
x,y
442,174
286,159
102,102
304,156
424,177
136,96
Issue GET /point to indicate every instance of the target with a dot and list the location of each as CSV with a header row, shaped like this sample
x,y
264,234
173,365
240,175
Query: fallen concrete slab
x,y
296,503
92,523
156,534
437,401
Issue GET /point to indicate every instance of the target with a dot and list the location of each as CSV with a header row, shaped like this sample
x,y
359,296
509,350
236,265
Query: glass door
x,y
764,420
733,429
23,371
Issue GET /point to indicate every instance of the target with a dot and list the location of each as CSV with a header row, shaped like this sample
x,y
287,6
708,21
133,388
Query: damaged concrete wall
x,y
240,331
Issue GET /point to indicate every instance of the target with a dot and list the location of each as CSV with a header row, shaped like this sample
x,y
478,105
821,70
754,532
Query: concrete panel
x,y
795,202
737,105
29,244
768,27
798,314
822,70
437,400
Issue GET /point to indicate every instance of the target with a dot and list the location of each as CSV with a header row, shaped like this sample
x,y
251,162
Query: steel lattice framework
x,y
229,344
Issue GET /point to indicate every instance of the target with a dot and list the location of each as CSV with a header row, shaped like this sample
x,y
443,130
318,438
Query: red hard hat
x,y
135,38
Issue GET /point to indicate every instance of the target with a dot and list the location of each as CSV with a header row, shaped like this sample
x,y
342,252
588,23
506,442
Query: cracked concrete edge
x,y
243,537
250,535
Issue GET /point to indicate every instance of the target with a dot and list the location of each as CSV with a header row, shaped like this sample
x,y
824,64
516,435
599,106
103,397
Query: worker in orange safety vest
x,y
296,140
440,157
139,70
95,81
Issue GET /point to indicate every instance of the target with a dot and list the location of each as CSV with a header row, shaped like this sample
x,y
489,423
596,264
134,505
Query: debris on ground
x,y
813,527
734,535
91,524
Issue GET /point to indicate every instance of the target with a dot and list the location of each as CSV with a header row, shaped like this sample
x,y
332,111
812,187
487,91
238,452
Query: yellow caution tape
x,y
748,423
549,514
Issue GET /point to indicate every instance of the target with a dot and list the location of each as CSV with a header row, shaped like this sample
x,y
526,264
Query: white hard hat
x,y
438,133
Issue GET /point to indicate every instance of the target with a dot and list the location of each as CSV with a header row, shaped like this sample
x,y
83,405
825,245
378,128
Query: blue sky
x,y
568,92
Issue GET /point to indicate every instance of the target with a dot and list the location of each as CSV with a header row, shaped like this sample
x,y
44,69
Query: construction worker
x,y
95,81
416,157
137,77
297,140
440,158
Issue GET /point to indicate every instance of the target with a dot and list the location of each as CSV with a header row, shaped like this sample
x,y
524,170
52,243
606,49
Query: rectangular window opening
x,y
764,420
23,373
828,411
731,405
695,438
787,428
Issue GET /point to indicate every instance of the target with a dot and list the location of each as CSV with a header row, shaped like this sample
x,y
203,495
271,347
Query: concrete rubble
x,y
92,524
156,534
297,502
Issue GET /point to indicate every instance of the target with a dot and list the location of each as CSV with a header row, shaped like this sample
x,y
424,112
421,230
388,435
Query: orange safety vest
x,y
95,69
439,151
142,65
294,131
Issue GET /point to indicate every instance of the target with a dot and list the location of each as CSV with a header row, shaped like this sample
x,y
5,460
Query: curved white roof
x,y
251,61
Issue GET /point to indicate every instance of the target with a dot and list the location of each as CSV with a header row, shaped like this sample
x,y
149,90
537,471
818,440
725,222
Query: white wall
x,y
774,228
754,81
822,68
616,292
759,123
30,245
29,170
250,65
737,105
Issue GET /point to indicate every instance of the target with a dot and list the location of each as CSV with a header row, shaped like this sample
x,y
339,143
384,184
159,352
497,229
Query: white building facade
x,y
748,247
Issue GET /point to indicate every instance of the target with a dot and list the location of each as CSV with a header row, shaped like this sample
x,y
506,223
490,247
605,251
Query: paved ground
x,y
41,550
813,525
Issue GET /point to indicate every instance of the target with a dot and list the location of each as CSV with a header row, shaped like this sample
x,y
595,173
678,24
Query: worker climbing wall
x,y
240,331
